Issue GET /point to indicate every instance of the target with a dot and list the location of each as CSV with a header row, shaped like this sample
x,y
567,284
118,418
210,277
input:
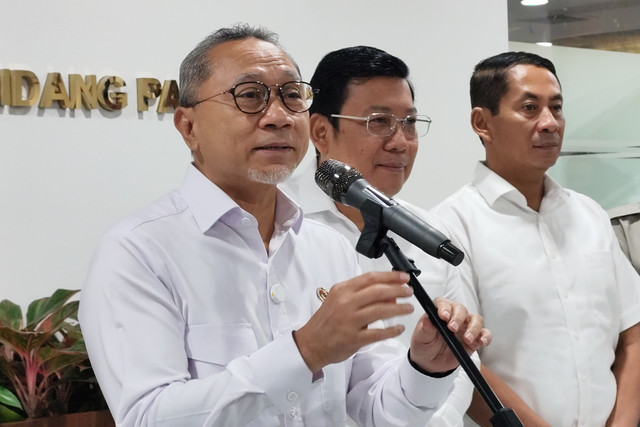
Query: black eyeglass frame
x,y
280,87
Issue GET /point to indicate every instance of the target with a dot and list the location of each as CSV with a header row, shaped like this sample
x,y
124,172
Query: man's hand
x,y
340,326
430,351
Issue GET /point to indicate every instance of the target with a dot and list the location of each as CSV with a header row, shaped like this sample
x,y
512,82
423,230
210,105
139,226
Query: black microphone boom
x,y
345,185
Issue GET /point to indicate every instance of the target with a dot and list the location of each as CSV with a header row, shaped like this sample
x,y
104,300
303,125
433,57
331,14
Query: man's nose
x,y
399,140
548,121
276,112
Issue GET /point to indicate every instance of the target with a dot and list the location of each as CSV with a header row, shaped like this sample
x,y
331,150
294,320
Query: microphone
x,y
344,184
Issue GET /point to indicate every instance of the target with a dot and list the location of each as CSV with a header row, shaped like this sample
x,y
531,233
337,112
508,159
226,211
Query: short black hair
x,y
489,80
341,67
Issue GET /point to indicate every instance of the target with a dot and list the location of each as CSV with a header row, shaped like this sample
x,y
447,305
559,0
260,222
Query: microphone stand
x,y
373,243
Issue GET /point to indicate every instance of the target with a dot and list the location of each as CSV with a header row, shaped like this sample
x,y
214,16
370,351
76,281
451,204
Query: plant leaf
x,y
7,415
7,398
22,342
7,369
10,315
59,317
55,361
73,333
41,308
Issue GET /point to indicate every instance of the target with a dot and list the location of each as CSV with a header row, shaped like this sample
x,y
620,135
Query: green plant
x,y
43,359
10,407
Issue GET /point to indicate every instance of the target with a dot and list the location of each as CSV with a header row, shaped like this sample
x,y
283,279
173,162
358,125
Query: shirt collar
x,y
307,193
493,187
288,213
209,203
554,194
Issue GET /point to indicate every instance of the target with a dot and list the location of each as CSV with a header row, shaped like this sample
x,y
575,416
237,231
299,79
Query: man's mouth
x,y
394,166
274,147
547,145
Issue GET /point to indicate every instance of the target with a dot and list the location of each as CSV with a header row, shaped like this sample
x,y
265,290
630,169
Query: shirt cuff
x,y
415,383
427,373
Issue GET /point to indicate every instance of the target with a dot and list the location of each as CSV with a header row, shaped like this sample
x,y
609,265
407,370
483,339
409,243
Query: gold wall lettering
x,y
110,99
169,97
21,88
32,84
83,92
5,87
167,94
54,90
147,89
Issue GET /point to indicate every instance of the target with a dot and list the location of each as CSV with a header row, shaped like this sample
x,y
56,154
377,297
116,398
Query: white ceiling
x,y
596,24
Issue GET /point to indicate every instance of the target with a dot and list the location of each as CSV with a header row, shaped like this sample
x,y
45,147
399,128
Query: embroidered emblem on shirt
x,y
322,293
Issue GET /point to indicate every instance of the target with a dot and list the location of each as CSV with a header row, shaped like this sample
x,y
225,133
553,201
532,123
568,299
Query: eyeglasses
x,y
383,124
253,97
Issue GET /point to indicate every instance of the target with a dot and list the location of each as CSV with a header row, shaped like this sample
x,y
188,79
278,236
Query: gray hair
x,y
196,67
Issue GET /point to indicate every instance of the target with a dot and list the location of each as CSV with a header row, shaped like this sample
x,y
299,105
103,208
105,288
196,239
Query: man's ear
x,y
321,132
184,123
480,118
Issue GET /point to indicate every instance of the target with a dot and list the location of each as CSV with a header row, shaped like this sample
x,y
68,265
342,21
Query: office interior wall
x,y
67,175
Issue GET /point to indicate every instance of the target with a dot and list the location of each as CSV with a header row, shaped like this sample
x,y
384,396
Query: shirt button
x,y
292,396
277,293
246,221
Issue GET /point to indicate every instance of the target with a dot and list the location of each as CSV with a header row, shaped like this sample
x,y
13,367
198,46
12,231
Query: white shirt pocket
x,y
601,292
210,347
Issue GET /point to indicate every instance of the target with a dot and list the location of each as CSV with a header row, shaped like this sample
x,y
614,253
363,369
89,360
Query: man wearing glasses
x,y
364,115
220,305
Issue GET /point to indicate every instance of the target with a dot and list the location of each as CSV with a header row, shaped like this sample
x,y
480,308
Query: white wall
x,y
65,176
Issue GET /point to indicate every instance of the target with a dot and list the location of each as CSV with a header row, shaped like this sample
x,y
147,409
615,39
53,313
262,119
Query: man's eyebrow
x,y
253,76
385,109
247,76
531,95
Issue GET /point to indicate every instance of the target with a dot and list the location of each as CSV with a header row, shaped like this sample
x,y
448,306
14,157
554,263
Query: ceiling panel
x,y
601,24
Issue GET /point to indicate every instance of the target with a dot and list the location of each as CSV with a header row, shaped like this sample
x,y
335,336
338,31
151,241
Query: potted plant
x,y
44,367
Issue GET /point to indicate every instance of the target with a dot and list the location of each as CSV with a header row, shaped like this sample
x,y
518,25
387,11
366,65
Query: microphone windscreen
x,y
335,178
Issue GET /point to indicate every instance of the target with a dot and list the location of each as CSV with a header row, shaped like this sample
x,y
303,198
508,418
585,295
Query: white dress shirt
x,y
443,279
553,287
188,322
